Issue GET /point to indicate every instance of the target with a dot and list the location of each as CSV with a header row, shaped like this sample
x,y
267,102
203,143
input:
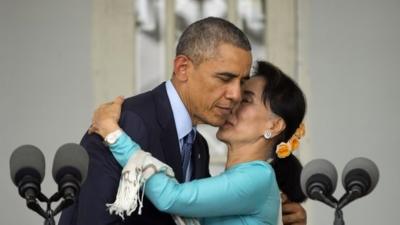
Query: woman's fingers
x,y
106,116
119,100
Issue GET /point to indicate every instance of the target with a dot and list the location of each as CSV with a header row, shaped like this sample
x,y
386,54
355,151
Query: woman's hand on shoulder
x,y
105,118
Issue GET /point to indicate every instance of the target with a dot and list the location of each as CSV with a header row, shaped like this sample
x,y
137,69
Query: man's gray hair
x,y
200,40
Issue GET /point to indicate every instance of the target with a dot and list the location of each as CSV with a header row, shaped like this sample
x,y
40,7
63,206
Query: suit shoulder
x,y
137,102
146,102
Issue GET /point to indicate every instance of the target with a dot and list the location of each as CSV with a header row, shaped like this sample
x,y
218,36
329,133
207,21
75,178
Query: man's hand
x,y
292,212
105,118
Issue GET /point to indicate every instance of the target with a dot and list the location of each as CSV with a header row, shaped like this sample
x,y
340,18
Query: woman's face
x,y
250,120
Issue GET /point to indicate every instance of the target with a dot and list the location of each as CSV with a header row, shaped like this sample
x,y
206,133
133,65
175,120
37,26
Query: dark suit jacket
x,y
148,119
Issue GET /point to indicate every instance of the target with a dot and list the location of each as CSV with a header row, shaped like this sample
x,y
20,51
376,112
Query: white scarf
x,y
140,167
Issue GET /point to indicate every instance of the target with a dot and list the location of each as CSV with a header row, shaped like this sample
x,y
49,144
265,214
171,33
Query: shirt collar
x,y
183,122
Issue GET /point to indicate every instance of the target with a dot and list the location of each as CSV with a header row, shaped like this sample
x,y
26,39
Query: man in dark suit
x,y
213,58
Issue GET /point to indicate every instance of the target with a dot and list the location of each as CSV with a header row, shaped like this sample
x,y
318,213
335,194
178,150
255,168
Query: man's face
x,y
215,84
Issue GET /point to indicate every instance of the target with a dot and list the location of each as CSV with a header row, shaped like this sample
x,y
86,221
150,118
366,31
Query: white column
x,y
281,34
169,41
112,49
287,47
303,76
232,12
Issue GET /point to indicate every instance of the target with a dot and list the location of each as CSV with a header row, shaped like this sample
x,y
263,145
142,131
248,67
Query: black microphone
x,y
69,170
359,178
318,181
27,169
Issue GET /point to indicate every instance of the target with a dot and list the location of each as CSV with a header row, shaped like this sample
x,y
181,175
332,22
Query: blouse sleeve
x,y
123,149
237,191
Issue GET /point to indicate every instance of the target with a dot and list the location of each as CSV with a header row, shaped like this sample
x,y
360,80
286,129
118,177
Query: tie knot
x,y
189,138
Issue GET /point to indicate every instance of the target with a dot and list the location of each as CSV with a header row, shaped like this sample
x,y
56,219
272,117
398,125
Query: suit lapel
x,y
168,135
197,159
200,158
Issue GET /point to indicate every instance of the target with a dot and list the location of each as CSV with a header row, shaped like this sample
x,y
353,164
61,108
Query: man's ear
x,y
182,65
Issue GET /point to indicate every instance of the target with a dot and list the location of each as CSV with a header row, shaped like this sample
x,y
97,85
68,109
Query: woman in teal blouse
x,y
264,126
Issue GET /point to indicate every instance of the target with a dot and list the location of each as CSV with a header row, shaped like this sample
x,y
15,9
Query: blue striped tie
x,y
186,153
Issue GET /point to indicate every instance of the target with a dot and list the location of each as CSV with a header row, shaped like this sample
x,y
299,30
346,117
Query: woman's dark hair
x,y
286,100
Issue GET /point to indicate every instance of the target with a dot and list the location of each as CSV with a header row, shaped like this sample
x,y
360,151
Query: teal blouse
x,y
246,193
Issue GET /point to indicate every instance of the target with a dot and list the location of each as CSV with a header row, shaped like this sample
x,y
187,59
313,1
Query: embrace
x,y
152,140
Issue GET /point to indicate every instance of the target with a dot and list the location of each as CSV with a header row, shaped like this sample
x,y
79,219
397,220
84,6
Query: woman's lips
x,y
227,124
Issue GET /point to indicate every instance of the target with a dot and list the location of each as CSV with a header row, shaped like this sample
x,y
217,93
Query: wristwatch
x,y
112,137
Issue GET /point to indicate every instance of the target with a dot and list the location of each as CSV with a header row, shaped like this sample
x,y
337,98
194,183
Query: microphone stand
x,y
354,193
33,204
49,214
338,217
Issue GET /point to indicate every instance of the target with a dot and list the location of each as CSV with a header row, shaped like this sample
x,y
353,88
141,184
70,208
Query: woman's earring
x,y
267,134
